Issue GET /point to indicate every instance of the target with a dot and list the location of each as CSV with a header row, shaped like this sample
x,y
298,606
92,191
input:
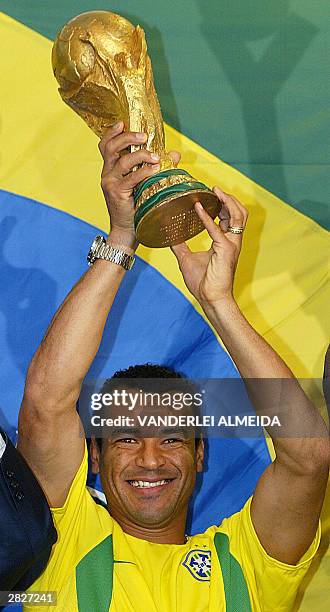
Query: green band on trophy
x,y
154,179
163,195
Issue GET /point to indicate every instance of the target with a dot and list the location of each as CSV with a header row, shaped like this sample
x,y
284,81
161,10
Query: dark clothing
x,y
27,532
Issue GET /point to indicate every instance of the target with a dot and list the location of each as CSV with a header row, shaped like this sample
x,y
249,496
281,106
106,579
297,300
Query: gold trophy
x,y
101,63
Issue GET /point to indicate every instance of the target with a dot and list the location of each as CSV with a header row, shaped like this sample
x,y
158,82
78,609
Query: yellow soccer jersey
x,y
96,567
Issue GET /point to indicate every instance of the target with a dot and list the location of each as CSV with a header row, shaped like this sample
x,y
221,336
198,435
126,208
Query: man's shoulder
x,y
81,498
242,542
82,522
230,525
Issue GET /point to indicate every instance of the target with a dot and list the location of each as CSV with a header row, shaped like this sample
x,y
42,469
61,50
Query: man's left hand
x,y
209,275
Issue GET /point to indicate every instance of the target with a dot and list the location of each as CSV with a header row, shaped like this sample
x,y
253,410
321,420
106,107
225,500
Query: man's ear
x,y
95,453
200,456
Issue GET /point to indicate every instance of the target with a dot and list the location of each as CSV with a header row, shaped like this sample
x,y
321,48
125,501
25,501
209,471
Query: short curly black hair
x,y
143,371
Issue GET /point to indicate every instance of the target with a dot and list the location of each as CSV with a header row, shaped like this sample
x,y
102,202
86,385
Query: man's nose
x,y
150,455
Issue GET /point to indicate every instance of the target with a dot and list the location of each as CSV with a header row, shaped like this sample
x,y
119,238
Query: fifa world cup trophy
x,y
101,63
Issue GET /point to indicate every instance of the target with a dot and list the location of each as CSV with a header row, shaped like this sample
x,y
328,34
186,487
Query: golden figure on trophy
x,y
101,63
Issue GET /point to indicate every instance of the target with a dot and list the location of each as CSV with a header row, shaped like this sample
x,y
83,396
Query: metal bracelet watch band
x,y
101,250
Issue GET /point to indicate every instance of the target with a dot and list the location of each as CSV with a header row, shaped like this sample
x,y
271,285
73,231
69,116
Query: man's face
x,y
148,481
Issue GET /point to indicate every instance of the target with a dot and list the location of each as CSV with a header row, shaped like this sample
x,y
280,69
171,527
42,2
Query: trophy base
x,y
165,213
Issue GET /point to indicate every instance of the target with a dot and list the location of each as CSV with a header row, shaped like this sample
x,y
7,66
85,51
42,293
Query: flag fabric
x,y
220,86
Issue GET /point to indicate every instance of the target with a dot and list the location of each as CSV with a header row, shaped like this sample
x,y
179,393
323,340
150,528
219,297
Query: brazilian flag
x,y
244,91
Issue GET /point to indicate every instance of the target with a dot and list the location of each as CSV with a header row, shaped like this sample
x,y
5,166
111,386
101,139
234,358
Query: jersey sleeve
x,y
272,585
68,523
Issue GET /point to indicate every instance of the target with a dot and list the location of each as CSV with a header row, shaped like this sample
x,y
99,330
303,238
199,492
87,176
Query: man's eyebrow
x,y
170,431
125,431
148,432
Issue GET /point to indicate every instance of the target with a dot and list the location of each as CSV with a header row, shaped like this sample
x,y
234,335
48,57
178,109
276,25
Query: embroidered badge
x,y
198,563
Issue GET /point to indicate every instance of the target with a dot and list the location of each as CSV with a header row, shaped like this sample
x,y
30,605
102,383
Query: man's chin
x,y
150,511
146,507
151,519
148,514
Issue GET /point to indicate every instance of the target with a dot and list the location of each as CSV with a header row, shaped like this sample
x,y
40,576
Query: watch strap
x,y
113,254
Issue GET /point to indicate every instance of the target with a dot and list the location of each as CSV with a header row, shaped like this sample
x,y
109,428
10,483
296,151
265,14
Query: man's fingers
x,y
224,218
113,131
175,157
180,251
238,214
213,229
117,142
134,178
116,147
131,160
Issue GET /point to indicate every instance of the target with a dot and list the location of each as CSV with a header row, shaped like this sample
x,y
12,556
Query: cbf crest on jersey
x,y
198,563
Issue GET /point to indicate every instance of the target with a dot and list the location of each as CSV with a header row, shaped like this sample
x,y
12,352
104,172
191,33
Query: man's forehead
x,y
153,431
159,393
147,408
153,411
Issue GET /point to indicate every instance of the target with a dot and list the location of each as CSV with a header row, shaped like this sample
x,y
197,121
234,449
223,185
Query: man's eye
x,y
127,440
172,440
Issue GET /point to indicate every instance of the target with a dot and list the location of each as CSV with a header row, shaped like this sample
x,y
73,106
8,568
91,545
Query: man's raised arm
x,y
51,436
288,499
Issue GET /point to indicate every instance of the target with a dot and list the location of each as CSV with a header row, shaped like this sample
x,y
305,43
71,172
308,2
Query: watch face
x,y
91,254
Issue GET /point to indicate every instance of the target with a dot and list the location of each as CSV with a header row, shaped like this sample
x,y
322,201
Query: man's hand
x,y
209,275
288,499
122,172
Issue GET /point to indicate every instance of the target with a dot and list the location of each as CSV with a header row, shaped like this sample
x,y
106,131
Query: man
x,y
27,532
134,555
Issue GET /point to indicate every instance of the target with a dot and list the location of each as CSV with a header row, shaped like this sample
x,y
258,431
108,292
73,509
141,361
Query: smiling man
x,y
133,555
148,472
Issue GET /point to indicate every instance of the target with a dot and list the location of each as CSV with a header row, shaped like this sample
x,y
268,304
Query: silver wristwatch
x,y
101,250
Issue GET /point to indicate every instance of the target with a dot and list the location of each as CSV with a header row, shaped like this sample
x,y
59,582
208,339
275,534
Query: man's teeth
x,y
147,485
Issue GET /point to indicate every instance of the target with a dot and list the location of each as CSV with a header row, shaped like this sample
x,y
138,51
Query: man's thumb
x,y
180,251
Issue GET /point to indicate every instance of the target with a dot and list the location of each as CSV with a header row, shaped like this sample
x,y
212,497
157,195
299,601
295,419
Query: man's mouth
x,y
147,484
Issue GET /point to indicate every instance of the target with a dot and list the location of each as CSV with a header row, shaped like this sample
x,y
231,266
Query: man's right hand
x,y
118,178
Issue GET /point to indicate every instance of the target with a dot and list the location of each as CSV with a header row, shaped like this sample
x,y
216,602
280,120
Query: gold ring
x,y
235,229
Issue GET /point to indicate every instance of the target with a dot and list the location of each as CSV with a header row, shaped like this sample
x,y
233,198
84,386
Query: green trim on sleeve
x,y
94,578
236,591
